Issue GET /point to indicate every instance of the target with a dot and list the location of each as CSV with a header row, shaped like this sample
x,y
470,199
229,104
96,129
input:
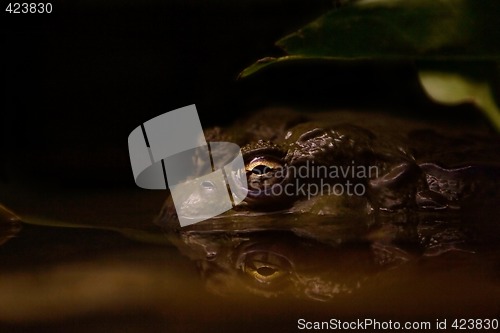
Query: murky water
x,y
95,262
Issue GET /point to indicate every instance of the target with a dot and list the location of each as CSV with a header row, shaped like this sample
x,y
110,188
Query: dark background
x,y
79,80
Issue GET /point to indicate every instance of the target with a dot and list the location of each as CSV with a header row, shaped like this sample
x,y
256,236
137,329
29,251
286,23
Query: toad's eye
x,y
266,268
262,165
264,172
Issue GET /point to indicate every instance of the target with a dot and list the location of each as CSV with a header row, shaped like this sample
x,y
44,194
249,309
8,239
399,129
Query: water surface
x,y
94,260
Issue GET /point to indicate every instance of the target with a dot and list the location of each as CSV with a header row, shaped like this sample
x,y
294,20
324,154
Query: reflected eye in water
x,y
266,268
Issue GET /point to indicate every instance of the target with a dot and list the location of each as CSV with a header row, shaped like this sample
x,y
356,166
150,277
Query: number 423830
x,y
29,8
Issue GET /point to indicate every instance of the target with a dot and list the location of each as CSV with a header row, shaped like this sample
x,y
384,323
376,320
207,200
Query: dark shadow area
x,y
79,80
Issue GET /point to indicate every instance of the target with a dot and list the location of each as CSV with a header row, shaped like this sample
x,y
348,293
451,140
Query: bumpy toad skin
x,y
327,162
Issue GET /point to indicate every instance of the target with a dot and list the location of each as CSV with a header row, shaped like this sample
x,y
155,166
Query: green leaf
x,y
430,29
454,84
426,31
397,29
144,236
291,59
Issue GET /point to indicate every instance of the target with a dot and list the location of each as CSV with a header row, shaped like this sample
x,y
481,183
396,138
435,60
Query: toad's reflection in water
x,y
294,263
289,266
273,264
